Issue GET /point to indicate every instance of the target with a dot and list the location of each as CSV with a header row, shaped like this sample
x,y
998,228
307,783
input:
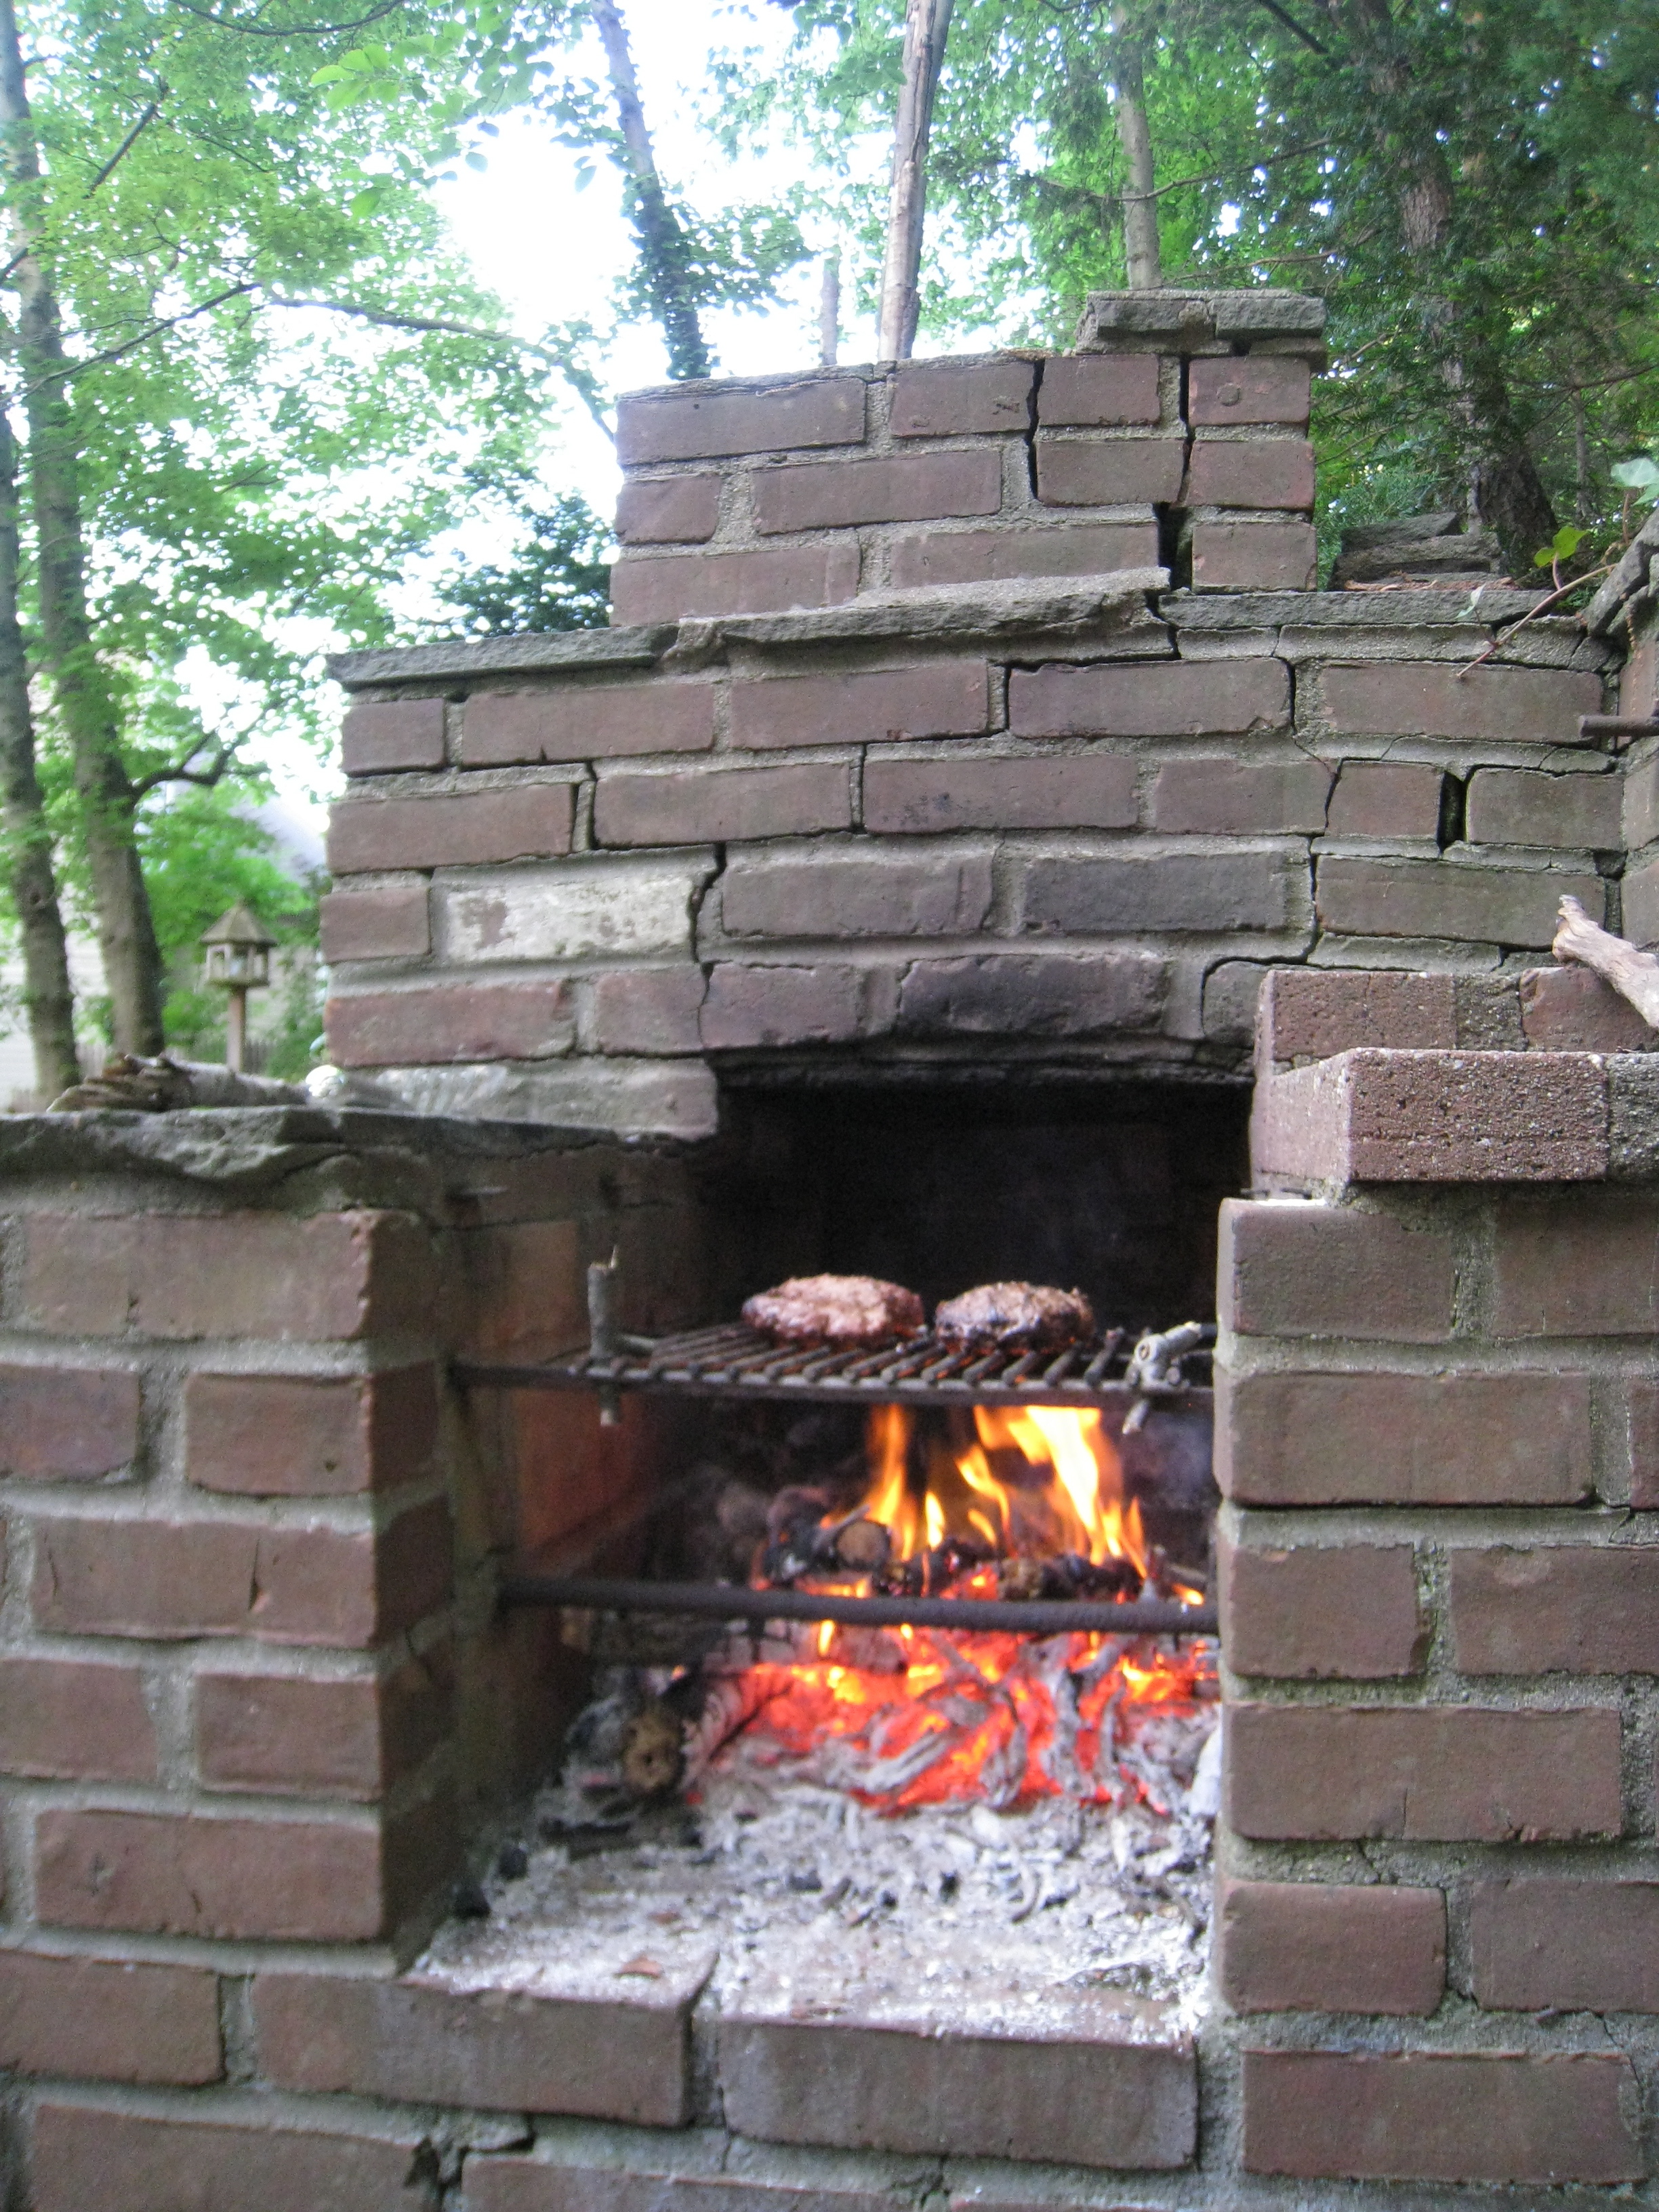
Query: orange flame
x,y
1080,1504
932,1714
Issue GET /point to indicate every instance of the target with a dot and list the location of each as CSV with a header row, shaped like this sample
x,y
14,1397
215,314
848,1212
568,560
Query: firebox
x,y
907,1639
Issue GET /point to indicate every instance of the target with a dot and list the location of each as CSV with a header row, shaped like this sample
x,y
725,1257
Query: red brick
x,y
1084,2089
669,510
108,2020
1583,1265
1449,898
973,556
1427,2116
647,1010
1391,1116
853,891
1556,1608
1290,1269
1118,891
1255,556
1007,995
1643,1406
393,733
1224,797
749,1007
1460,1438
232,1274
376,925
1091,391
619,2057
65,1720
1169,699
445,1023
88,2157
1385,798
306,1435
288,1735
1347,1611
1640,824
929,699
1421,1773
1581,1945
1266,472
1641,903
902,487
1319,1947
666,587
465,829
1433,698
1036,791
723,805
950,398
183,1579
164,1874
1572,1010
514,2182
1311,1013
520,1293
588,721
1085,471
1252,388
1520,806
67,1423
692,425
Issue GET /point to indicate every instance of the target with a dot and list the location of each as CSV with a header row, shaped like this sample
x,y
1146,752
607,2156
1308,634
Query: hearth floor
x,y
790,1898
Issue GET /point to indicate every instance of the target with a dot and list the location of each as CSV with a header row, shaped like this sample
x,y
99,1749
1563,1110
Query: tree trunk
x,y
1141,257
48,997
126,931
664,250
926,27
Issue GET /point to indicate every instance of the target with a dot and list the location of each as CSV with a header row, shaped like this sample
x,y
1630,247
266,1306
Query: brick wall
x,y
1163,438
254,1704
1055,825
1435,1439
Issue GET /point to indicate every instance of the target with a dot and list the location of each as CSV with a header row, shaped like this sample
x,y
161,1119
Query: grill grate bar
x,y
730,1358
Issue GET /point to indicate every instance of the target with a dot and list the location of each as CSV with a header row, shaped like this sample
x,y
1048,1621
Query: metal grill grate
x,y
731,1360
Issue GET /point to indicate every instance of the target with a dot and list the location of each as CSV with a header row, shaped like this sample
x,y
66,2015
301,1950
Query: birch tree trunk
x,y
664,250
126,931
1142,260
926,27
48,998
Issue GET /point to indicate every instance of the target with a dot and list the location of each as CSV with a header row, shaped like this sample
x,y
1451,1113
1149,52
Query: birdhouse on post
x,y
239,949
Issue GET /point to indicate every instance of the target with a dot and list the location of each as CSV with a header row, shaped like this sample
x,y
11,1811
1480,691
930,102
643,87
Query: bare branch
x,y
72,368
128,142
181,771
503,341
289,30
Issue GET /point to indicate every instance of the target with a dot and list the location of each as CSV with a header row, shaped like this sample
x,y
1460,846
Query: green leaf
x,y
1640,475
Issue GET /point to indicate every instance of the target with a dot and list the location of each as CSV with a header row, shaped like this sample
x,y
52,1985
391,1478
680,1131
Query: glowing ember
x,y
921,1716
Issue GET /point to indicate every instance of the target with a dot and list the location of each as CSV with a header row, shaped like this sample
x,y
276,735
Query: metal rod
x,y
723,1602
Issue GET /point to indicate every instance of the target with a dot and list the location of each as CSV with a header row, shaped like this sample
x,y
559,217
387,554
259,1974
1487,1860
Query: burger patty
x,y
1016,1317
835,1310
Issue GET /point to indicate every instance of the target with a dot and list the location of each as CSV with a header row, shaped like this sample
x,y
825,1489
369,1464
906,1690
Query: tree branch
x,y
1284,16
503,341
289,30
180,770
128,142
72,368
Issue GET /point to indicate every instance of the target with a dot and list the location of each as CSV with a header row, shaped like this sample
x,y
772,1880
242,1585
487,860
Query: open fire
x,y
1020,1501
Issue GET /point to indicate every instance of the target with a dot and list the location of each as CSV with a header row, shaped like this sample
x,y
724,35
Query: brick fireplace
x,y
971,748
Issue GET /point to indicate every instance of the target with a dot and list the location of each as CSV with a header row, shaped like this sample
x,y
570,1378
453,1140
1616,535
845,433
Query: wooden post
x,y
830,311
236,1030
927,26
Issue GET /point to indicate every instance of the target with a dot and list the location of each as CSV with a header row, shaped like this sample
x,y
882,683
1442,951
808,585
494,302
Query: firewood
x,y
1634,975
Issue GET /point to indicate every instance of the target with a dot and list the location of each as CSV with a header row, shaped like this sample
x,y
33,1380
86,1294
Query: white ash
x,y
807,1901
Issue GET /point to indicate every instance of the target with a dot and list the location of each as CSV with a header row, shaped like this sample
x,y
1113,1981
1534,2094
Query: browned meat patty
x,y
1018,1316
835,1310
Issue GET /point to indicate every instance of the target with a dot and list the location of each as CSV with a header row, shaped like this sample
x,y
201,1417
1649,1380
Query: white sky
x,y
553,253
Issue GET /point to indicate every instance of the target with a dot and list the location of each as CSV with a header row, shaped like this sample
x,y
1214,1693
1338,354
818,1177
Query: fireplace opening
x,y
884,1707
